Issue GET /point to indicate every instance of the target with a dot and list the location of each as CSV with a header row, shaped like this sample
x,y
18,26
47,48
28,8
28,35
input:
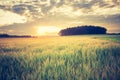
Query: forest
x,y
83,30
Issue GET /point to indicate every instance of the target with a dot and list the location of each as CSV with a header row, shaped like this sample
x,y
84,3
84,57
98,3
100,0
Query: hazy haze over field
x,y
43,17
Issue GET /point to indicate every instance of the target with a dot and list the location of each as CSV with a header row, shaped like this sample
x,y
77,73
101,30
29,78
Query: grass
x,y
60,58
115,38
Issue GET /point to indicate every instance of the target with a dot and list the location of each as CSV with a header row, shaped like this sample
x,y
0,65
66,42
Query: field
x,y
60,58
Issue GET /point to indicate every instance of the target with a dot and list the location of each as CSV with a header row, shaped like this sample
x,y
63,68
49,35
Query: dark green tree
x,y
83,30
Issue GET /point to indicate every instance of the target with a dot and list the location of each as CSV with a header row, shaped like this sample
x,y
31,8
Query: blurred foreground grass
x,y
59,58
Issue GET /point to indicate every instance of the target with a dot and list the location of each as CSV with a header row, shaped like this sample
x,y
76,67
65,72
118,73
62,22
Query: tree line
x,y
79,30
14,36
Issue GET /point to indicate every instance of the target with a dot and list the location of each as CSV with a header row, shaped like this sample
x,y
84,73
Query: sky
x,y
48,17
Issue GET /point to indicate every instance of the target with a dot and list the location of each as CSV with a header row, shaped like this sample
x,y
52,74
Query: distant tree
x,y
83,30
14,36
4,35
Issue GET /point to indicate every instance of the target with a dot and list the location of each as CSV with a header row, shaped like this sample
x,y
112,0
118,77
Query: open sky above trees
x,y
48,17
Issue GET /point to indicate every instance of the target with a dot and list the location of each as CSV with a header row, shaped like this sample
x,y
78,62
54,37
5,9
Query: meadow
x,y
60,58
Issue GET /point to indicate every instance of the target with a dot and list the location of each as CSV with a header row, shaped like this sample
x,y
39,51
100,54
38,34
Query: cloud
x,y
38,9
19,29
59,12
105,11
20,9
8,18
67,11
113,19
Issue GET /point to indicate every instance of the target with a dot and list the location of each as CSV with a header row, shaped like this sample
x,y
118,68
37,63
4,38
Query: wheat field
x,y
60,58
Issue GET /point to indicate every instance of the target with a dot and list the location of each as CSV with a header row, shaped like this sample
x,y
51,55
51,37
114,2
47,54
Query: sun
x,y
48,30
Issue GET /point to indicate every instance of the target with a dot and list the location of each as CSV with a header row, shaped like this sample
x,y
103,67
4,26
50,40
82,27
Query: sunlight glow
x,y
48,31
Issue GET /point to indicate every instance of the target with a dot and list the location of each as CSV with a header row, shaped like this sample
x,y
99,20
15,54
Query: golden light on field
x,y
48,31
